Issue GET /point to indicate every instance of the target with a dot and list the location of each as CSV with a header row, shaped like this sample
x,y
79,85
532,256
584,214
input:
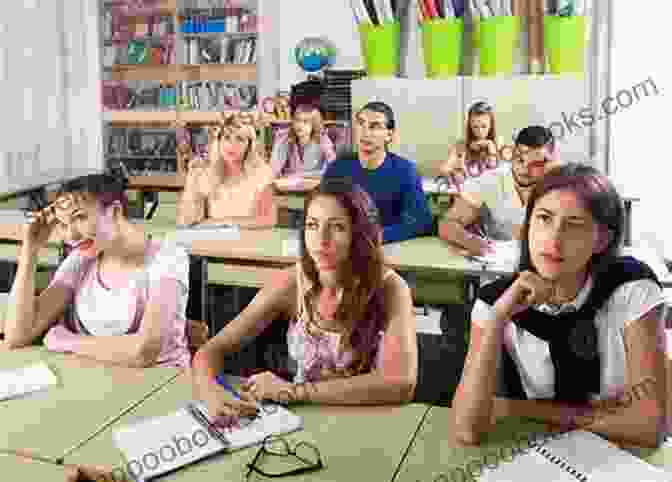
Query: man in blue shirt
x,y
391,181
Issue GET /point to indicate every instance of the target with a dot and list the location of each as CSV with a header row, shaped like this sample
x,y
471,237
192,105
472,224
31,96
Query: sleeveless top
x,y
574,342
316,353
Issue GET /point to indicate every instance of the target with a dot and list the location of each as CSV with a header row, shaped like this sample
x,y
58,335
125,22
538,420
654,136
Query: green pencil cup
x,y
442,47
565,43
380,49
497,38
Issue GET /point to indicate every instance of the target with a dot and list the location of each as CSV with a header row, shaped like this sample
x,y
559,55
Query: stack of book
x,y
336,97
224,50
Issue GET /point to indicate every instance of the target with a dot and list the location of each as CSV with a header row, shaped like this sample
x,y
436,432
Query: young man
x,y
496,200
390,180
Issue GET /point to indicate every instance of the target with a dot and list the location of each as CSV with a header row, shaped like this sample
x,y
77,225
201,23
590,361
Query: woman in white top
x,y
127,293
578,327
351,337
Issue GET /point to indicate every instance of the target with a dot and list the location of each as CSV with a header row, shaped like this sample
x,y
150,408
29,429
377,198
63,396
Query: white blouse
x,y
532,357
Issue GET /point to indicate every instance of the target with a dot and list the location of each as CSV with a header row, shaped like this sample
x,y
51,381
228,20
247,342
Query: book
x,y
505,256
207,232
34,378
192,436
576,455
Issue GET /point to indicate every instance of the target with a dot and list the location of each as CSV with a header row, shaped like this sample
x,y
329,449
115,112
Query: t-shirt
x,y
286,160
531,355
396,190
247,195
502,203
101,311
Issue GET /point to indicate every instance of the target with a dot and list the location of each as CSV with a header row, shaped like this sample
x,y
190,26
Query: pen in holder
x,y
565,43
380,48
442,46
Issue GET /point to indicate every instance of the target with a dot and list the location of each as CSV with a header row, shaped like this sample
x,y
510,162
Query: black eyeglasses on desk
x,y
278,446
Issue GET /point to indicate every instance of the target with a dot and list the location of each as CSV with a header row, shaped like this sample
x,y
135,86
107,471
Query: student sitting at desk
x,y
390,180
352,334
127,293
576,330
479,150
234,187
496,200
306,148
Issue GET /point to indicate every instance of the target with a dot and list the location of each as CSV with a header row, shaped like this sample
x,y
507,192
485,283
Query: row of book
x,y
224,50
118,28
217,96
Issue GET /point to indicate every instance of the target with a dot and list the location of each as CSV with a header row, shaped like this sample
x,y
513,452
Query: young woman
x,y
233,186
576,331
352,329
306,148
127,293
479,150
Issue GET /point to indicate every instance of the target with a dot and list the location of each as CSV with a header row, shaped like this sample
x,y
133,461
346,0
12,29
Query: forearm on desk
x,y
190,209
368,389
123,349
640,423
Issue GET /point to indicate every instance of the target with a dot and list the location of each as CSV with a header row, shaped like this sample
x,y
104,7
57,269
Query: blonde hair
x,y
315,121
242,123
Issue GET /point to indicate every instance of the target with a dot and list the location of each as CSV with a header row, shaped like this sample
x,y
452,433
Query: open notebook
x,y
505,256
34,378
576,455
212,232
188,436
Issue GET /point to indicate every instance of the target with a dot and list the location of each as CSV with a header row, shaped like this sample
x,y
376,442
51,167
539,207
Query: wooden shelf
x,y
174,73
139,117
233,72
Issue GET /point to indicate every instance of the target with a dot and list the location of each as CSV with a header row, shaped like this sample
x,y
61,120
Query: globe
x,y
313,54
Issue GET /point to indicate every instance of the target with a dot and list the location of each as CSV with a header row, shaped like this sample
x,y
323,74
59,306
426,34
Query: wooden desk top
x,y
343,434
89,396
162,183
296,185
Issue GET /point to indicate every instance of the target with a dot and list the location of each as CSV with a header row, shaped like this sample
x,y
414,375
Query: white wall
x,y
298,19
641,160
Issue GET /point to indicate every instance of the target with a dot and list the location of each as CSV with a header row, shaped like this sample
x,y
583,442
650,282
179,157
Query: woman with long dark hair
x,y
352,329
578,326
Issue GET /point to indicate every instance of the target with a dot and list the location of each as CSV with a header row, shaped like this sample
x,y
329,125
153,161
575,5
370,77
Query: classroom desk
x,y
433,451
23,468
356,443
155,183
89,396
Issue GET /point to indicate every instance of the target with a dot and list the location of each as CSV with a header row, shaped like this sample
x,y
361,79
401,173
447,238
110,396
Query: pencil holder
x,y
497,38
380,49
442,47
565,43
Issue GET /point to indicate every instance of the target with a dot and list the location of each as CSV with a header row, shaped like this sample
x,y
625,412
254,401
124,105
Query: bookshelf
x,y
160,85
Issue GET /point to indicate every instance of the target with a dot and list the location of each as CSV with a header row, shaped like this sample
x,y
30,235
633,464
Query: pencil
x,y
422,12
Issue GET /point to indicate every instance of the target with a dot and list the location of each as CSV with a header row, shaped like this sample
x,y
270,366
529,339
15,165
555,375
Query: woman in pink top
x,y
127,294
305,148
352,333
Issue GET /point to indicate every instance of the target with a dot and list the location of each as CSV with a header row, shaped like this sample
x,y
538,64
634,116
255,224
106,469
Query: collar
x,y
574,305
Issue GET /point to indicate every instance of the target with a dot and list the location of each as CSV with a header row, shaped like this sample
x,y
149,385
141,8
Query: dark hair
x,y
600,198
107,187
382,108
361,307
535,136
481,107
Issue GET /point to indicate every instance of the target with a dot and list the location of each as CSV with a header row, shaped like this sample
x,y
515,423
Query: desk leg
x,y
205,303
627,241
155,205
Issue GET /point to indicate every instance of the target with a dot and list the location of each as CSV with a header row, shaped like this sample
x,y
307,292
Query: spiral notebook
x,y
577,455
188,436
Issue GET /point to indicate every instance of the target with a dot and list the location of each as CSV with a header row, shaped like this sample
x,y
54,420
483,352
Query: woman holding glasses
x,y
494,203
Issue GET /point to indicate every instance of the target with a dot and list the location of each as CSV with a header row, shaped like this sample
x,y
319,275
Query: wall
x,y
315,18
640,134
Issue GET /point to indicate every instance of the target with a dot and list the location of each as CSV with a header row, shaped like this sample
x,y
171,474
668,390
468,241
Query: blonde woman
x,y
306,148
233,186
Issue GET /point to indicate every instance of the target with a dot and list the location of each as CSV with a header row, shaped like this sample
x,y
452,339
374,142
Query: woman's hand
x,y
268,386
37,231
222,407
528,289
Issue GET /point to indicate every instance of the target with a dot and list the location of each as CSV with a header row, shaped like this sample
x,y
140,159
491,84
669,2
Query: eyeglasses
x,y
278,446
62,203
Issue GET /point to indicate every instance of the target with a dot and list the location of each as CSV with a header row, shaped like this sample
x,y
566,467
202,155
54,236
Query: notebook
x,y
505,256
34,378
211,232
192,438
576,455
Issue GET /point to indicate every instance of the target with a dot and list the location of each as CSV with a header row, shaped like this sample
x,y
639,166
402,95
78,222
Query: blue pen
x,y
221,380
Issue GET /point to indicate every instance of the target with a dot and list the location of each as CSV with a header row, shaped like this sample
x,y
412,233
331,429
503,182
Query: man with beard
x,y
492,206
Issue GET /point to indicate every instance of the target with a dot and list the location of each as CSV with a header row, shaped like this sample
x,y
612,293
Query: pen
x,y
203,420
221,380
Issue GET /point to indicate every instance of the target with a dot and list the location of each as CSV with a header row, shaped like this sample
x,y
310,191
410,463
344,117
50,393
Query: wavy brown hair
x,y
361,308
479,108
